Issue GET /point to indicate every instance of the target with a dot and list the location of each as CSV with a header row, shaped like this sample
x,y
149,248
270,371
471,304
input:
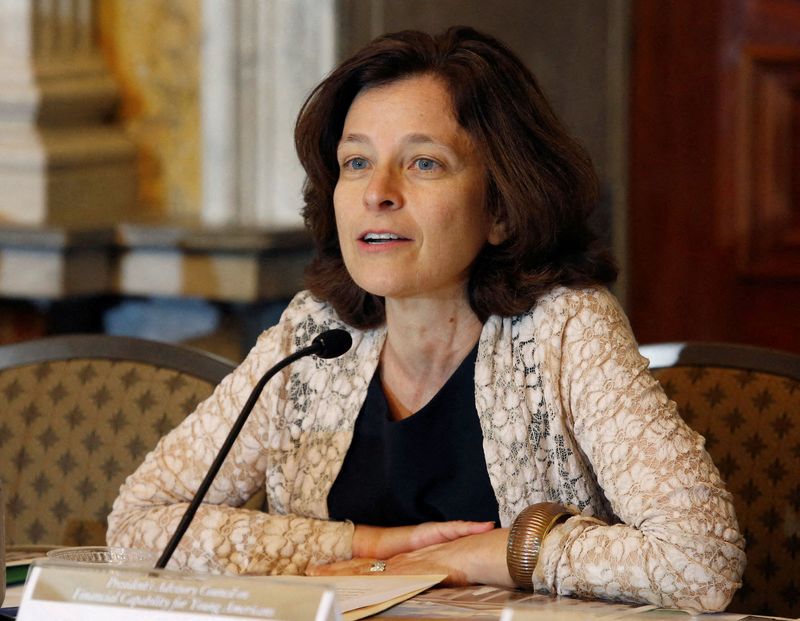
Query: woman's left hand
x,y
474,559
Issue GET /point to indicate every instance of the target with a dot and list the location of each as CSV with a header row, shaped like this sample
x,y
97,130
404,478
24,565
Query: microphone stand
x,y
319,345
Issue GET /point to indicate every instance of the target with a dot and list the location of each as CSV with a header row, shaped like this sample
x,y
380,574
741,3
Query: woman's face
x,y
409,200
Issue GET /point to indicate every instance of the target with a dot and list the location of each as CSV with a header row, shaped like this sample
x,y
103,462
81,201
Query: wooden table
x,y
485,603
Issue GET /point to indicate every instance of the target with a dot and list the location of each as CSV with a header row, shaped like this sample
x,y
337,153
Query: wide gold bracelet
x,y
526,536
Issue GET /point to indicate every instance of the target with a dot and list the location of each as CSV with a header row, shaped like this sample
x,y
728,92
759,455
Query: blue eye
x,y
356,163
426,164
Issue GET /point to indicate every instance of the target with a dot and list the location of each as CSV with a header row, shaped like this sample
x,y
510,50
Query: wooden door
x,y
715,171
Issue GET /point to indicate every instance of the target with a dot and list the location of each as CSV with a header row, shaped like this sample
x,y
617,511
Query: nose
x,y
383,190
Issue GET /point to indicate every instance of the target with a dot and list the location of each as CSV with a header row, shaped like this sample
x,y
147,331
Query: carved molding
x,y
769,179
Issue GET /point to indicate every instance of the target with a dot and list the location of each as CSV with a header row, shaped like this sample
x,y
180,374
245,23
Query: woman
x,y
492,379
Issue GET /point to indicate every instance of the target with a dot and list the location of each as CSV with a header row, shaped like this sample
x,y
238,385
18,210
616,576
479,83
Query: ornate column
x,y
62,161
260,60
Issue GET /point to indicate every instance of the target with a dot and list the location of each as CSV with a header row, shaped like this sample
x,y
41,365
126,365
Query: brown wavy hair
x,y
540,182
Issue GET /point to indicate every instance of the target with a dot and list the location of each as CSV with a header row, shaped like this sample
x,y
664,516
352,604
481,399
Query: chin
x,y
381,292
380,288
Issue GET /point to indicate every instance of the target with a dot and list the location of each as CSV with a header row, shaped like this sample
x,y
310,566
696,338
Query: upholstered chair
x,y
2,541
745,401
77,415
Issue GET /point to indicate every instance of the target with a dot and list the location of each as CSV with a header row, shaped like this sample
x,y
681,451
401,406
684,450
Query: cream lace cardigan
x,y
569,413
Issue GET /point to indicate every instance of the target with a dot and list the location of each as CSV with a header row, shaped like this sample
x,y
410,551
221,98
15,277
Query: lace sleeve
x,y
223,537
679,544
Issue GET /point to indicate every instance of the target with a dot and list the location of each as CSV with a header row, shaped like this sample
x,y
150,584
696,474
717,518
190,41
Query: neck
x,y
426,341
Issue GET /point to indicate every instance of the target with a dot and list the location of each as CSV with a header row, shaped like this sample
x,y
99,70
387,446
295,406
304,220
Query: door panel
x,y
715,171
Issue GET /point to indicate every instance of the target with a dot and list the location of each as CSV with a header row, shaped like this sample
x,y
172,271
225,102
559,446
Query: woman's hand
x,y
379,542
472,559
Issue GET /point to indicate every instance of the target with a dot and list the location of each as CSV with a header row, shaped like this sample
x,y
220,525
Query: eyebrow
x,y
354,138
415,138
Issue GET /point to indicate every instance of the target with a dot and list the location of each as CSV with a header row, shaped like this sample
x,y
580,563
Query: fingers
x,y
379,542
412,563
353,567
463,529
429,561
432,533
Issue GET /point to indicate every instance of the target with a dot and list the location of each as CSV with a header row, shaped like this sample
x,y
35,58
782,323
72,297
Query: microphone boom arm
x,y
202,490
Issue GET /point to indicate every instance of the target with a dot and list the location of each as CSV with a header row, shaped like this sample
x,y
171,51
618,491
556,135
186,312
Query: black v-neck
x,y
429,466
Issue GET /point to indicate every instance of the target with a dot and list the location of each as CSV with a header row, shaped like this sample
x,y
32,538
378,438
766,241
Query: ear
x,y
497,232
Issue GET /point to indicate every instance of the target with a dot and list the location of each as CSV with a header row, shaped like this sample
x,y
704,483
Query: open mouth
x,y
382,238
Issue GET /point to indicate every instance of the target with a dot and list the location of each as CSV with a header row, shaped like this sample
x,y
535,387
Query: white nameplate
x,y
58,591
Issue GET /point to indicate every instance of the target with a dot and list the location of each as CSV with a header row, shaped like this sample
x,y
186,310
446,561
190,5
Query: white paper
x,y
354,592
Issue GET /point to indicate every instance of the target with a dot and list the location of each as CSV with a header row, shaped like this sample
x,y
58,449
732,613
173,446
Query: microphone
x,y
328,344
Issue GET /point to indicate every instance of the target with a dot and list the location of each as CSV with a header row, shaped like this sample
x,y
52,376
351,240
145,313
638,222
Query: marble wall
x,y
153,48
260,59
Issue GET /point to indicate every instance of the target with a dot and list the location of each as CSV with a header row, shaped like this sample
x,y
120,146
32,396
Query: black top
x,y
427,467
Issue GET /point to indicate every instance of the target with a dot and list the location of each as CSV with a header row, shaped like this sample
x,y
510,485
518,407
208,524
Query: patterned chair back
x,y
77,415
746,402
